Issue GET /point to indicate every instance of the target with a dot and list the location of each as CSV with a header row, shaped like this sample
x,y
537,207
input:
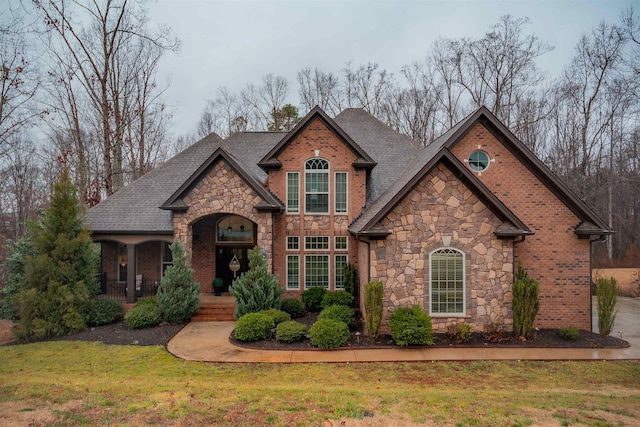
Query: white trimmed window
x,y
316,190
316,271
293,192
341,263
293,243
316,243
341,243
293,272
341,192
447,282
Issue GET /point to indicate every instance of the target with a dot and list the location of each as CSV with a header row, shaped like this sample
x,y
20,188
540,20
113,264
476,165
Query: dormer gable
x,y
362,159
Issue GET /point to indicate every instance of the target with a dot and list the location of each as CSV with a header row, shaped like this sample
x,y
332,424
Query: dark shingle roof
x,y
135,209
391,150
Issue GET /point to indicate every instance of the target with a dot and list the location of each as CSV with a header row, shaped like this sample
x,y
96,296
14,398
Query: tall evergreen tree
x,y
59,280
179,295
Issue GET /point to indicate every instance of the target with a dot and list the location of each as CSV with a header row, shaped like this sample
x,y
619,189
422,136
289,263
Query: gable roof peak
x,y
270,161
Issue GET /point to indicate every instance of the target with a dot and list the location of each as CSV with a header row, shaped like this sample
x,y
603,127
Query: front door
x,y
224,256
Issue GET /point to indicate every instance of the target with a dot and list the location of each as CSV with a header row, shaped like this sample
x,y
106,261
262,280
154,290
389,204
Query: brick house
x,y
442,226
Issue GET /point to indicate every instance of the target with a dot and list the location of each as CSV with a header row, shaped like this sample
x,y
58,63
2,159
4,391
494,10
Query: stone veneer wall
x,y
222,190
442,212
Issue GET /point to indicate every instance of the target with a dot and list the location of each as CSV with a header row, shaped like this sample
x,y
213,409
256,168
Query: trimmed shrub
x,y
293,306
257,289
104,312
341,313
336,298
254,327
525,302
312,298
411,326
178,295
351,284
290,331
607,297
144,314
15,264
373,305
278,316
327,333
570,333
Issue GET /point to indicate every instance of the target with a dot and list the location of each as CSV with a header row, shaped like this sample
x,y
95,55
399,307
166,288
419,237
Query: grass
x,y
80,383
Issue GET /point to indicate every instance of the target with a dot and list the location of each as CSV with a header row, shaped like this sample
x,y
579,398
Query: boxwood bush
x,y
278,316
290,331
411,326
293,306
312,298
328,333
144,314
254,327
104,312
340,313
337,298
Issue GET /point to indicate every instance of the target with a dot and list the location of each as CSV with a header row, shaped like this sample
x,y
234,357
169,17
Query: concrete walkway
x,y
209,342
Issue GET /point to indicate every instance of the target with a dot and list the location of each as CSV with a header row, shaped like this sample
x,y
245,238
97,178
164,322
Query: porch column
x,y
131,273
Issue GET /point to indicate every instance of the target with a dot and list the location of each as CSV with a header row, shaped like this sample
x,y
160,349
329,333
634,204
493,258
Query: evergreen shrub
x,y
607,296
16,261
312,298
256,289
373,308
351,281
290,331
336,298
411,326
569,333
341,313
105,312
278,316
525,302
178,295
328,333
253,327
293,306
58,284
145,314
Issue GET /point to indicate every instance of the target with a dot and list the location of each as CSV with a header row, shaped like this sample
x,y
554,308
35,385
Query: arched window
x,y
447,282
316,186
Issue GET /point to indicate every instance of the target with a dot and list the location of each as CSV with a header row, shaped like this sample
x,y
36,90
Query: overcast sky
x,y
233,43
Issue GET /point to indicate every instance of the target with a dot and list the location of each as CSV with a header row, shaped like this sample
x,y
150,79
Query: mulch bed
x,y
119,334
543,338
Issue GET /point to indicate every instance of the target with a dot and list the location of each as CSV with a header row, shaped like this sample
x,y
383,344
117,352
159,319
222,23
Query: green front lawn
x,y
78,383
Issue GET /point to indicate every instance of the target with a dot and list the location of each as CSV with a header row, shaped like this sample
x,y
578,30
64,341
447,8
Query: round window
x,y
479,160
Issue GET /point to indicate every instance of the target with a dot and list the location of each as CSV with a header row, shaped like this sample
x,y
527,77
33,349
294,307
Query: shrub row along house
x,y
442,226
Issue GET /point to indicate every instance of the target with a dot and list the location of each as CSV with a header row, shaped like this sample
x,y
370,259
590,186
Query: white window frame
x,y
328,258
328,192
308,248
335,273
464,285
291,239
297,194
289,285
346,193
346,243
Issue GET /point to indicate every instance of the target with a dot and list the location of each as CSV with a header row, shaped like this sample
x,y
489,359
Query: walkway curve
x,y
209,342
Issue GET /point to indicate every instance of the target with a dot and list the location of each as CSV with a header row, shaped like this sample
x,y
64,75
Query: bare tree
x,y
19,80
319,88
265,100
99,44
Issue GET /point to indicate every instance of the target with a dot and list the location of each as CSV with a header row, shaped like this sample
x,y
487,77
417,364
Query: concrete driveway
x,y
627,321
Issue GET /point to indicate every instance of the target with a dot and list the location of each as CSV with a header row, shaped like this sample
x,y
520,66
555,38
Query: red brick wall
x,y
554,255
109,251
148,260
316,136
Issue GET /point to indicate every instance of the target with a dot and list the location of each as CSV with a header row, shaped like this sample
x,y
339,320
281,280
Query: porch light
x,y
229,229
242,228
